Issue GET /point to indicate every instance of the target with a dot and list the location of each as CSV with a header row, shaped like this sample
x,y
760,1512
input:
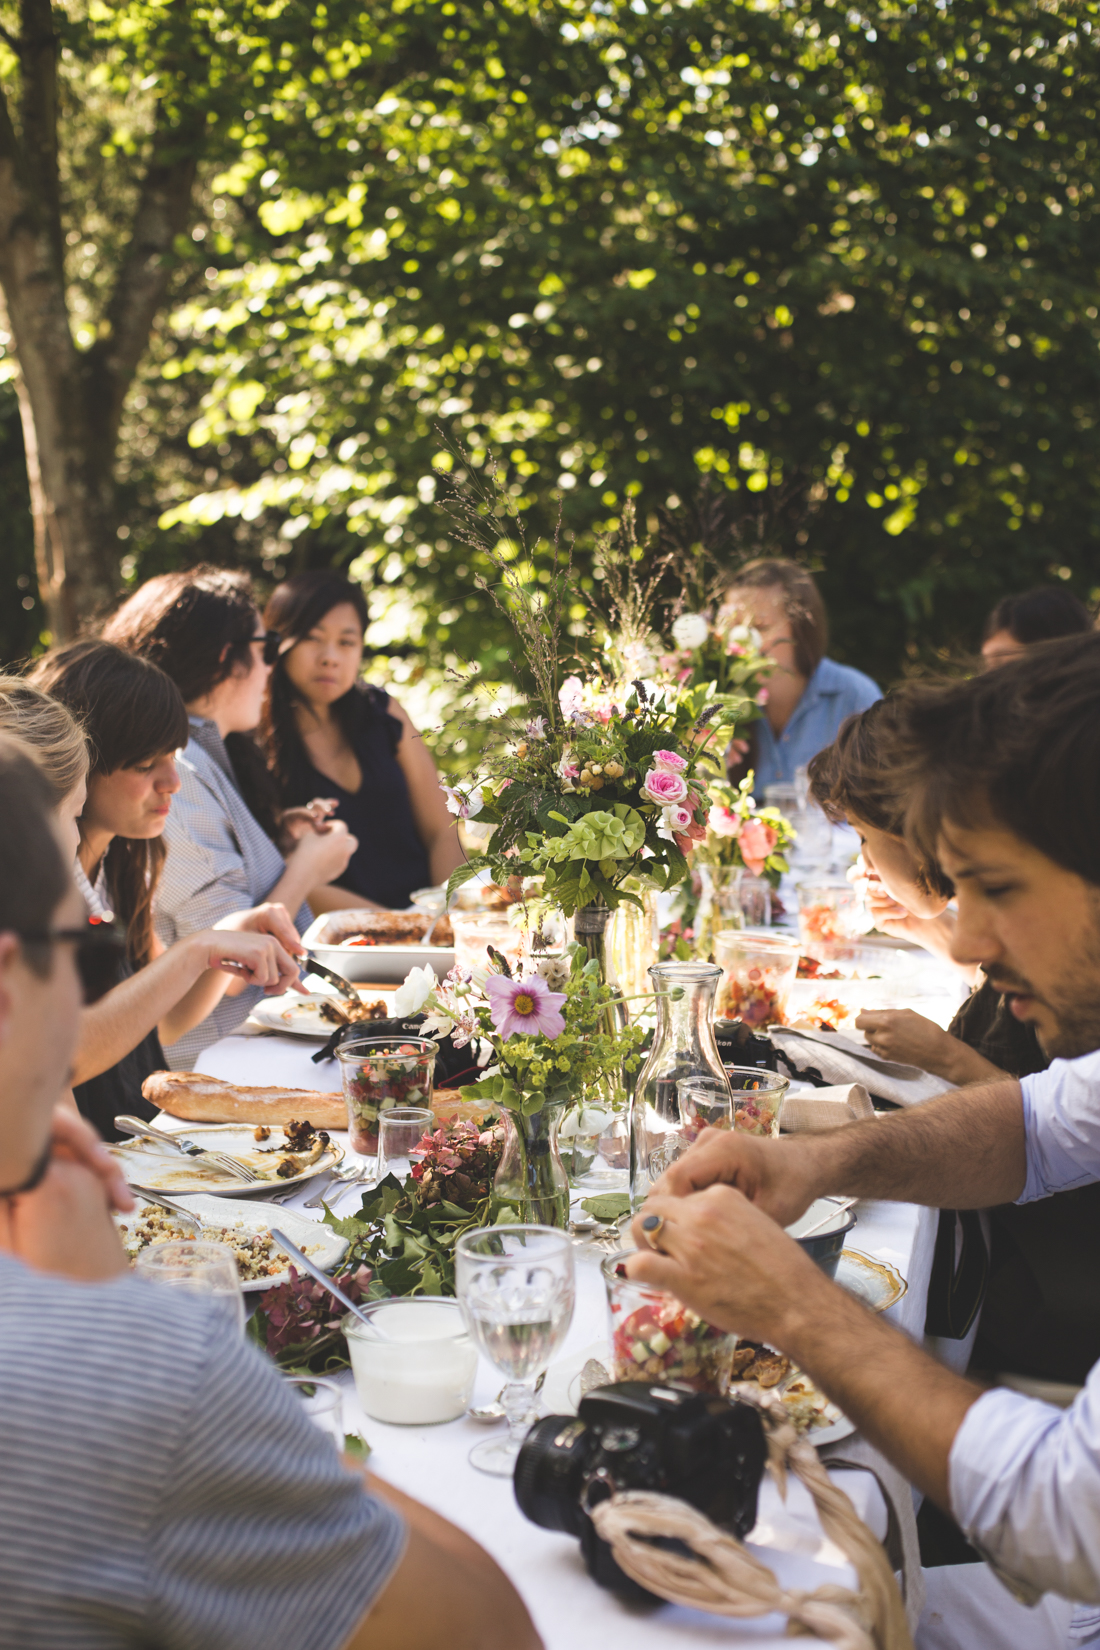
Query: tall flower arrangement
x,y
741,834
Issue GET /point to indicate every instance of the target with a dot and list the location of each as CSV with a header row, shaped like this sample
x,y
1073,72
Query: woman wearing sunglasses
x,y
134,720
230,846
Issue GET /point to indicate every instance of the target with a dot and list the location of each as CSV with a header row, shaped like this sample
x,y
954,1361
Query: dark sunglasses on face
x,y
100,948
271,642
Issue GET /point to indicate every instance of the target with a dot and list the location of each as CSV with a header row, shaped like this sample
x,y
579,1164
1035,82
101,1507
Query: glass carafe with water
x,y
683,1046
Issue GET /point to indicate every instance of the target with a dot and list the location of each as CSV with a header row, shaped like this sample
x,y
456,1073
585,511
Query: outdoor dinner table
x,y
570,1611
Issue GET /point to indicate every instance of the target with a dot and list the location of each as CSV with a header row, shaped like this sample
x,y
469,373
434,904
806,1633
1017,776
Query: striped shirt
x,y
220,860
159,1485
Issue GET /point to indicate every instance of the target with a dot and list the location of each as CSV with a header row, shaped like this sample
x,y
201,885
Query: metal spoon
x,y
322,1278
488,1413
840,1204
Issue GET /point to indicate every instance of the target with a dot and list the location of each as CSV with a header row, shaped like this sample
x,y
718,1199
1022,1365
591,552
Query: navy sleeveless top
x,y
390,860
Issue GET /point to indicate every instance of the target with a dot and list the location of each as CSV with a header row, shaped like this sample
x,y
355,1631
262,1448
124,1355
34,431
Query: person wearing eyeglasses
x,y
159,1481
145,995
809,695
230,845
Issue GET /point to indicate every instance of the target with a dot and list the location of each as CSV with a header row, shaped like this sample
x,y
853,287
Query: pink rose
x,y
678,817
669,762
663,788
724,822
686,841
756,842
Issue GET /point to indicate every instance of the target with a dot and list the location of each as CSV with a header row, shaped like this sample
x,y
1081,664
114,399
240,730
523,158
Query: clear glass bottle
x,y
683,1046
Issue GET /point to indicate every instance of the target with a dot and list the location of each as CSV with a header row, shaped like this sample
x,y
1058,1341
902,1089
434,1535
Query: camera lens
x,y
549,1471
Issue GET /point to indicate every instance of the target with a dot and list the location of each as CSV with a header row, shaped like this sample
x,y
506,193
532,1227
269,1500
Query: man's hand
x,y
64,1225
727,1260
781,1177
75,1141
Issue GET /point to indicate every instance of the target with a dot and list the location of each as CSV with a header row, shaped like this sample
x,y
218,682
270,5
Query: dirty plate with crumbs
x,y
280,1156
245,1227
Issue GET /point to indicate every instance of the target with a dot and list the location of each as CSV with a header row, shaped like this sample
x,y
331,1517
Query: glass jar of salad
x,y
830,916
654,1337
757,1097
380,1072
757,974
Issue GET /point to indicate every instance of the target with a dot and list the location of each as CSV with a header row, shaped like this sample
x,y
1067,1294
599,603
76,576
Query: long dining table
x,y
430,1462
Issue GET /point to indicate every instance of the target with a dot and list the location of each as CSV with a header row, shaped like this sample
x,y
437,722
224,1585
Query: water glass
x,y
516,1287
401,1143
380,1072
208,1269
322,1402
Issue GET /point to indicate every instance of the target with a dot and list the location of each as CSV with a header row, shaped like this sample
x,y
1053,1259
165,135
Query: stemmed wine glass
x,y
204,1268
516,1288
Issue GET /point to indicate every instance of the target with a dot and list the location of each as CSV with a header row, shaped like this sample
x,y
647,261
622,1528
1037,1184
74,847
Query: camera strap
x,y
726,1579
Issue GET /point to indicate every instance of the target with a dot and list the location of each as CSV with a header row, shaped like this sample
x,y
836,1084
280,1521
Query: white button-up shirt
x,y
1024,1476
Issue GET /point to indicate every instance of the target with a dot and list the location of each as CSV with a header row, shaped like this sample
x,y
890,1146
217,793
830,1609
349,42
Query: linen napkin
x,y
841,1061
827,1108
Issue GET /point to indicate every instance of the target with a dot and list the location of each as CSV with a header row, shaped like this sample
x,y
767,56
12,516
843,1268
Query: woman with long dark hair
x,y
134,720
224,835
327,733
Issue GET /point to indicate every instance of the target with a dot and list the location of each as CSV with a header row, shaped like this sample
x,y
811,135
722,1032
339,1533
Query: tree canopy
x,y
837,264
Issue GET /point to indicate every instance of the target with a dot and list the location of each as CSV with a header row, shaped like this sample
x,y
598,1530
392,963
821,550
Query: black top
x,y
1041,1315
390,861
118,1090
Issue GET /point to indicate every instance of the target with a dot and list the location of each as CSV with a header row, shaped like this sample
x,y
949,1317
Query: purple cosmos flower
x,y
524,1007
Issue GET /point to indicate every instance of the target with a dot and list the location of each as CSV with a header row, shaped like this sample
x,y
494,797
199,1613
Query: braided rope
x,y
725,1578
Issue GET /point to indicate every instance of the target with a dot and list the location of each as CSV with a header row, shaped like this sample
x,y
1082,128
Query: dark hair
x,y
1020,743
131,712
1038,615
802,604
198,627
857,775
33,874
295,607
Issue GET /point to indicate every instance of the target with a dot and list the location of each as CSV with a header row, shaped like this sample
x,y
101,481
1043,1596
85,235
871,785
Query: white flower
x,y
464,807
436,1025
410,997
535,729
690,631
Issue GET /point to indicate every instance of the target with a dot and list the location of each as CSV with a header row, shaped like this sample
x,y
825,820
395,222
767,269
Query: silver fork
x,y
189,1148
339,1181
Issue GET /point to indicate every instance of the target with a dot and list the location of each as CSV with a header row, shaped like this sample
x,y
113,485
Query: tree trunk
x,y
71,400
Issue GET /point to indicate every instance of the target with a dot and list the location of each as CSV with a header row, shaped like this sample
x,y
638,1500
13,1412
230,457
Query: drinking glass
x,y
757,1098
516,1288
208,1269
672,1146
380,1072
704,1104
323,1402
656,1338
401,1130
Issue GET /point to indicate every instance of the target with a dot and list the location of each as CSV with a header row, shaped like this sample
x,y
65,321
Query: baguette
x,y
199,1099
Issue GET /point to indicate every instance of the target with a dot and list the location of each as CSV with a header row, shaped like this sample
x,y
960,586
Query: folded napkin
x,y
839,1060
826,1108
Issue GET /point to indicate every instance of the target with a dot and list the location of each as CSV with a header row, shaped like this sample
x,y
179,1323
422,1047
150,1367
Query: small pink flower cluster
x,y
665,785
755,839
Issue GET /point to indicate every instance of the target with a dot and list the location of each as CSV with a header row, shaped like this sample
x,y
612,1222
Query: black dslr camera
x,y
635,1435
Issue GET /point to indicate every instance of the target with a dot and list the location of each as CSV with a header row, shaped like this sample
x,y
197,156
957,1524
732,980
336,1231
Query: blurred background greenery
x,y
810,279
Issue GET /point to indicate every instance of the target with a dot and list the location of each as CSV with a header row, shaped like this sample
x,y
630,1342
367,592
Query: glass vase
x,y
592,929
683,1046
631,943
531,1176
731,898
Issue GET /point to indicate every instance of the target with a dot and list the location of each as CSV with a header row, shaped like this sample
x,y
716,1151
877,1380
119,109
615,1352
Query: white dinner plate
x,y
561,1392
148,1163
324,1247
296,1015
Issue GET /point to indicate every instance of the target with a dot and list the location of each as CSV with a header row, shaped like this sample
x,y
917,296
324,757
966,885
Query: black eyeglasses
x,y
100,948
271,642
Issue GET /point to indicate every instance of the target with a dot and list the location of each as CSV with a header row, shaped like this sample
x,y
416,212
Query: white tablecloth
x,y
431,1462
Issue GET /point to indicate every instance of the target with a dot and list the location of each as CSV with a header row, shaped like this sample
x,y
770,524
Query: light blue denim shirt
x,y
833,693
